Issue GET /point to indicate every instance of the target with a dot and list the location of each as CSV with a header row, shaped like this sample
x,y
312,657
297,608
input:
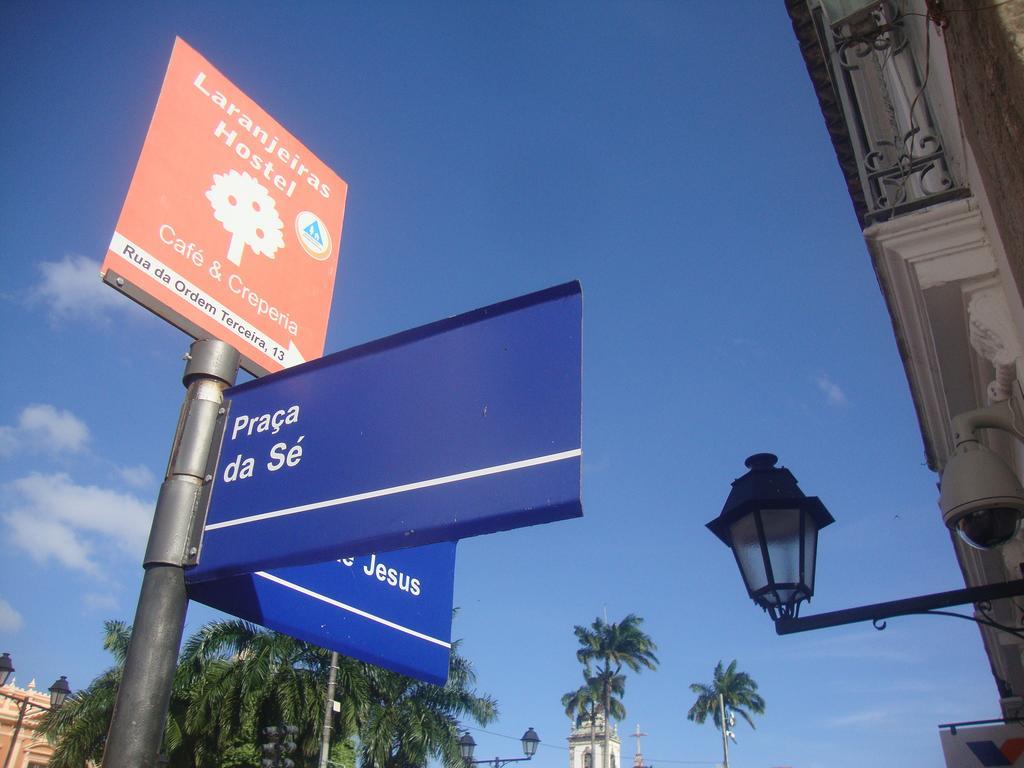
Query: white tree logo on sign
x,y
248,212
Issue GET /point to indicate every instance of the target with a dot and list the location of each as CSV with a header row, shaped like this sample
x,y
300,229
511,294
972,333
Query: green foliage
x,y
82,722
407,722
586,702
342,754
615,645
234,678
738,689
241,678
583,703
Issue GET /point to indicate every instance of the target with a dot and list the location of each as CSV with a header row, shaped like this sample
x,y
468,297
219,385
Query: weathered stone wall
x,y
985,40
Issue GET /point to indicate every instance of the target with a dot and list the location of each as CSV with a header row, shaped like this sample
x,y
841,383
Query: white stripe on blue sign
x,y
536,461
351,609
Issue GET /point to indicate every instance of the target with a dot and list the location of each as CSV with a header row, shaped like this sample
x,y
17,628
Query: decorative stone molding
x,y
919,257
953,323
994,337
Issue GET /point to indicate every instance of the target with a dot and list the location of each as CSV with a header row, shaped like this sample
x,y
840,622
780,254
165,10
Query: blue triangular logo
x,y
313,232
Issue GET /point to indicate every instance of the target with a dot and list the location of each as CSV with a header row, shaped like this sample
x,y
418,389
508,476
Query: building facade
x,y
585,736
924,103
21,746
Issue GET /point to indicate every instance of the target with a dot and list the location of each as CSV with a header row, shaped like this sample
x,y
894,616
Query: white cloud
x,y
833,393
59,429
52,517
72,286
43,427
46,539
138,476
10,619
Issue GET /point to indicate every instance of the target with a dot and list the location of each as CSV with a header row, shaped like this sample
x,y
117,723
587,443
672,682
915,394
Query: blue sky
x,y
671,156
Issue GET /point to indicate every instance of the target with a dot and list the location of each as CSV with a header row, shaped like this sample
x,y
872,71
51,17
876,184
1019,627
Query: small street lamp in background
x,y
530,741
58,693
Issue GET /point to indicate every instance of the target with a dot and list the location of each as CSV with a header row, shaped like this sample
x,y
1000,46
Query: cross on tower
x,y
638,757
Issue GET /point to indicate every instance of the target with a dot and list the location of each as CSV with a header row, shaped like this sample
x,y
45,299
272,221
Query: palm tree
x,y
84,718
216,706
407,722
738,690
234,678
242,678
585,704
255,677
612,647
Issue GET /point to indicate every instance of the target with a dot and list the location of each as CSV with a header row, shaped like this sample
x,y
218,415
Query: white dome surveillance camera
x,y
981,498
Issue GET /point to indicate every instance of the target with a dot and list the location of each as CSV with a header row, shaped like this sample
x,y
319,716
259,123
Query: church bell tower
x,y
580,740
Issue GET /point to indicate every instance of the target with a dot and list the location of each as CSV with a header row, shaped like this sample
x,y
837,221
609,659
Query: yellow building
x,y
20,710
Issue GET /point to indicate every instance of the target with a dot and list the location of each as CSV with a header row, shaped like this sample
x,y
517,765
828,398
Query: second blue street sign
x,y
392,609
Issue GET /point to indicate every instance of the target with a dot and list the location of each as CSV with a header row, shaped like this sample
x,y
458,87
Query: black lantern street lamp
x,y
466,746
6,668
772,529
58,693
530,740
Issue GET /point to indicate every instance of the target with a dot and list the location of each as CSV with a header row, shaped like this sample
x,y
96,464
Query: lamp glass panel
x,y
747,548
782,537
810,549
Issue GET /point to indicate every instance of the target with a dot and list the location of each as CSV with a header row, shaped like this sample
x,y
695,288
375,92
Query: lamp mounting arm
x,y
497,762
1004,415
878,612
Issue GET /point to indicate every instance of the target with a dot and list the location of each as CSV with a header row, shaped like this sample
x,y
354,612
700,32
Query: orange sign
x,y
231,226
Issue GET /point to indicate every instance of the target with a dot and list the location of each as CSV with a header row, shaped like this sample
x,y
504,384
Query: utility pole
x,y
325,744
725,737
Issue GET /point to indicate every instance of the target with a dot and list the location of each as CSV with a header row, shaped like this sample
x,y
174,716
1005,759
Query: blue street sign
x,y
392,609
466,426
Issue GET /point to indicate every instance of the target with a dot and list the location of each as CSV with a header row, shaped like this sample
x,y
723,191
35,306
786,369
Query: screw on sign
x,y
280,742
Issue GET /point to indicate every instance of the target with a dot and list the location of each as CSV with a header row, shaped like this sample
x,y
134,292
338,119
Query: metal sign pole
x,y
144,695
